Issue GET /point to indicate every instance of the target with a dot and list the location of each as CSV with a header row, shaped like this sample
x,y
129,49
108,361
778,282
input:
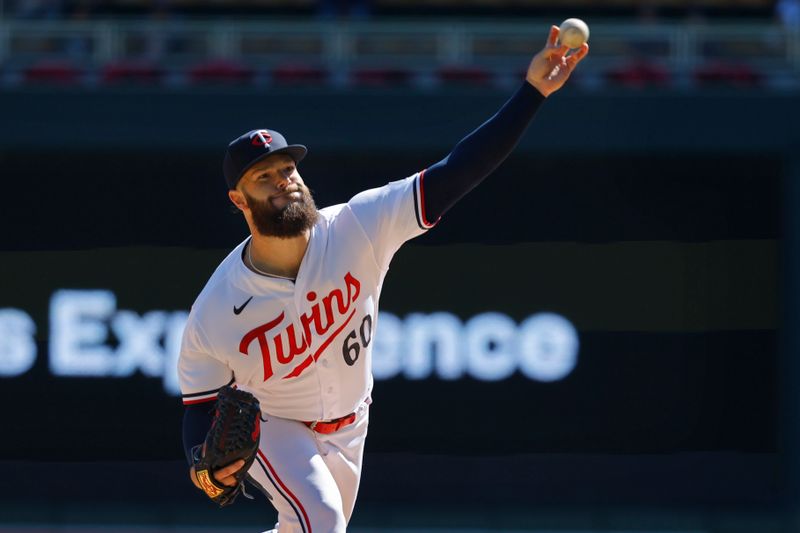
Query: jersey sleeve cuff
x,y
419,203
204,396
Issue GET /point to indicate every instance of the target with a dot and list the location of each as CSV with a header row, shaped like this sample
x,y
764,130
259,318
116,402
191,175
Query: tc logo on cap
x,y
260,138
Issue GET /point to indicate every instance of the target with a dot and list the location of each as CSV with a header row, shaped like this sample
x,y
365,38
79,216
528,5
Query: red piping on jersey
x,y
204,400
290,493
302,366
422,201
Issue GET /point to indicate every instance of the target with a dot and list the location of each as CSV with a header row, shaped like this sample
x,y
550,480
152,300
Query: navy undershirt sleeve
x,y
479,153
197,420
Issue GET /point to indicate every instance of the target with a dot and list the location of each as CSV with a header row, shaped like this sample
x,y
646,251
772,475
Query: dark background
x,y
659,217
667,251
702,378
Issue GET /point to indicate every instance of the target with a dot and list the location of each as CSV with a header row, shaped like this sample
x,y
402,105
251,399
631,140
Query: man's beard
x,y
294,219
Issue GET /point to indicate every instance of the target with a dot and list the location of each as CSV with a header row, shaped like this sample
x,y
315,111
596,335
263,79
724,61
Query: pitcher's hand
x,y
551,67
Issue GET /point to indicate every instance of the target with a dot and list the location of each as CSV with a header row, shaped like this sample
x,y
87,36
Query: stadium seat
x,y
131,72
723,73
466,75
299,75
52,71
221,71
639,74
381,76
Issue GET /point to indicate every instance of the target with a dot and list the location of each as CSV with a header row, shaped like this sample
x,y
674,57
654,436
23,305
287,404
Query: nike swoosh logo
x,y
237,310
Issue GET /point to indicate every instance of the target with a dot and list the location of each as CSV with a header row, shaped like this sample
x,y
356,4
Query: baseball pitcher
x,y
275,363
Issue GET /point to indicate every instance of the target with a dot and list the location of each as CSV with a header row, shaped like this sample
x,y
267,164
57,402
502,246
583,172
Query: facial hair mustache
x,y
292,220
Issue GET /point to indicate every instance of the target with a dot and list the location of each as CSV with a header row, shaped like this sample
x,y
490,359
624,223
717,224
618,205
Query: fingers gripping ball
x,y
234,435
573,33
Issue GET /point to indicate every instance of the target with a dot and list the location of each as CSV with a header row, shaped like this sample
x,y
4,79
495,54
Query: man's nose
x,y
285,181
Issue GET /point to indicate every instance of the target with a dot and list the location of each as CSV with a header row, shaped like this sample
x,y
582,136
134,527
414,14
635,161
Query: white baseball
x,y
573,33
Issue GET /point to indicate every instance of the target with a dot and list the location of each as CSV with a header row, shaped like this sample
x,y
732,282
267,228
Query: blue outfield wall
x,y
399,119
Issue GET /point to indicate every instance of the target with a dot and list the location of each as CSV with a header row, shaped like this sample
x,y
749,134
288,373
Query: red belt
x,y
331,426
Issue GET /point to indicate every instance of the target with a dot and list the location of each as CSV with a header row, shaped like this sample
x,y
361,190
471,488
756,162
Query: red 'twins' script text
x,y
317,322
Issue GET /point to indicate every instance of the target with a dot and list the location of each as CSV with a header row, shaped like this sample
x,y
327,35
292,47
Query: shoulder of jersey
x,y
330,212
216,282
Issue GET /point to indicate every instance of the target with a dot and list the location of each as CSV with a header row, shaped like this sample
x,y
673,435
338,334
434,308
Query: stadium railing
x,y
409,52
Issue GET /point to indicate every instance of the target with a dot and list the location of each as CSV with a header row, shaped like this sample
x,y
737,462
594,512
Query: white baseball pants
x,y
311,479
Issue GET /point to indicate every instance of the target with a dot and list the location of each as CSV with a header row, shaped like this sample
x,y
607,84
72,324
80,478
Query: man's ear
x,y
237,198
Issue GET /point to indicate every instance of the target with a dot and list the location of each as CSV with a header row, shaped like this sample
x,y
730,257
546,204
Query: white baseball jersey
x,y
303,347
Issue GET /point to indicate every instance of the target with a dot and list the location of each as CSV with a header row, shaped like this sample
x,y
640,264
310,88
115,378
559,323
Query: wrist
x,y
196,454
193,477
538,87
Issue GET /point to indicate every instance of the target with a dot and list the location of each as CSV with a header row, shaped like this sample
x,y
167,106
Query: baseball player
x,y
290,314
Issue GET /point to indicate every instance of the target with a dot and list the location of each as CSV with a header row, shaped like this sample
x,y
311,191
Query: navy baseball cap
x,y
247,150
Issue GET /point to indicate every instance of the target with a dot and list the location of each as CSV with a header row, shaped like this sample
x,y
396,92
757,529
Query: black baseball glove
x,y
234,435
